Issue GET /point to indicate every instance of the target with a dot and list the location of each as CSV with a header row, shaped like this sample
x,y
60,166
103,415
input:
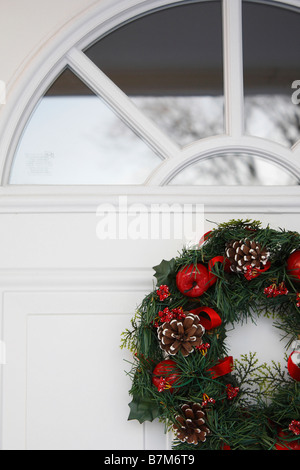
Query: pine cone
x,y
245,253
191,427
181,335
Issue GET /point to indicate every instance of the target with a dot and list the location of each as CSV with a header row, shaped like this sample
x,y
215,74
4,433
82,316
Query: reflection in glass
x,y
185,118
273,117
170,63
234,170
271,65
79,140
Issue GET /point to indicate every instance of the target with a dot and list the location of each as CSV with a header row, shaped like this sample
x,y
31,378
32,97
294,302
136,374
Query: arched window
x,y
186,93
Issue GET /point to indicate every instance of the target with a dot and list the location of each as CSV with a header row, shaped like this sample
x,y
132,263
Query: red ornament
x,y
192,280
293,265
205,237
225,447
293,365
284,444
165,374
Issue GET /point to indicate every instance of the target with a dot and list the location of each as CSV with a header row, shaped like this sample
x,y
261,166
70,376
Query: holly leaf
x,y
143,409
164,272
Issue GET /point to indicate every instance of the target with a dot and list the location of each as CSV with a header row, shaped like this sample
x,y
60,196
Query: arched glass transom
x,y
146,99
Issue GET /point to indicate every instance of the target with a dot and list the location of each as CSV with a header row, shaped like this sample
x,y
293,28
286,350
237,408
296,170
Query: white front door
x,y
66,298
67,293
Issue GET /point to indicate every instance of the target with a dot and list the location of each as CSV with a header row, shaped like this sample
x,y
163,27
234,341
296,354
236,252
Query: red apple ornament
x,y
293,265
165,374
284,444
193,281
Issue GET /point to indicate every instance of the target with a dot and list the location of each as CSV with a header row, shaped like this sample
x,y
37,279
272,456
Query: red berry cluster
x,y
250,273
298,299
203,347
163,292
162,385
294,426
231,391
167,315
273,290
207,400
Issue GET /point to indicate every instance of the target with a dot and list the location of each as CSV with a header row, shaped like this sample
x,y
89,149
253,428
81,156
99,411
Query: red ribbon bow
x,y
209,318
224,366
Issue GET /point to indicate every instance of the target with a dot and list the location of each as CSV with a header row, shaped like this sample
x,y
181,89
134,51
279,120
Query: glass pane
x,y
170,62
234,170
185,118
74,138
271,44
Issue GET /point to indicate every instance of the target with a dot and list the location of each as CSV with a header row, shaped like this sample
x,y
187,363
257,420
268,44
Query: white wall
x,y
27,25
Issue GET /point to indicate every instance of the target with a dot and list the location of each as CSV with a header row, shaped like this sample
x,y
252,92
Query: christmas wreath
x,y
181,370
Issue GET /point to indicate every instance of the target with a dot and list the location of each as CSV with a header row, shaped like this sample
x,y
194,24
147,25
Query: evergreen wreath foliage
x,y
252,406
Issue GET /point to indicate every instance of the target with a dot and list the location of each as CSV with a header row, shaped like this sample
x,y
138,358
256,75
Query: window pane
x,y
172,57
74,138
271,45
185,118
234,170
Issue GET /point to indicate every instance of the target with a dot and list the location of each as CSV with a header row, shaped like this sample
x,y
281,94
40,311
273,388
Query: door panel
x,y
65,385
74,371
